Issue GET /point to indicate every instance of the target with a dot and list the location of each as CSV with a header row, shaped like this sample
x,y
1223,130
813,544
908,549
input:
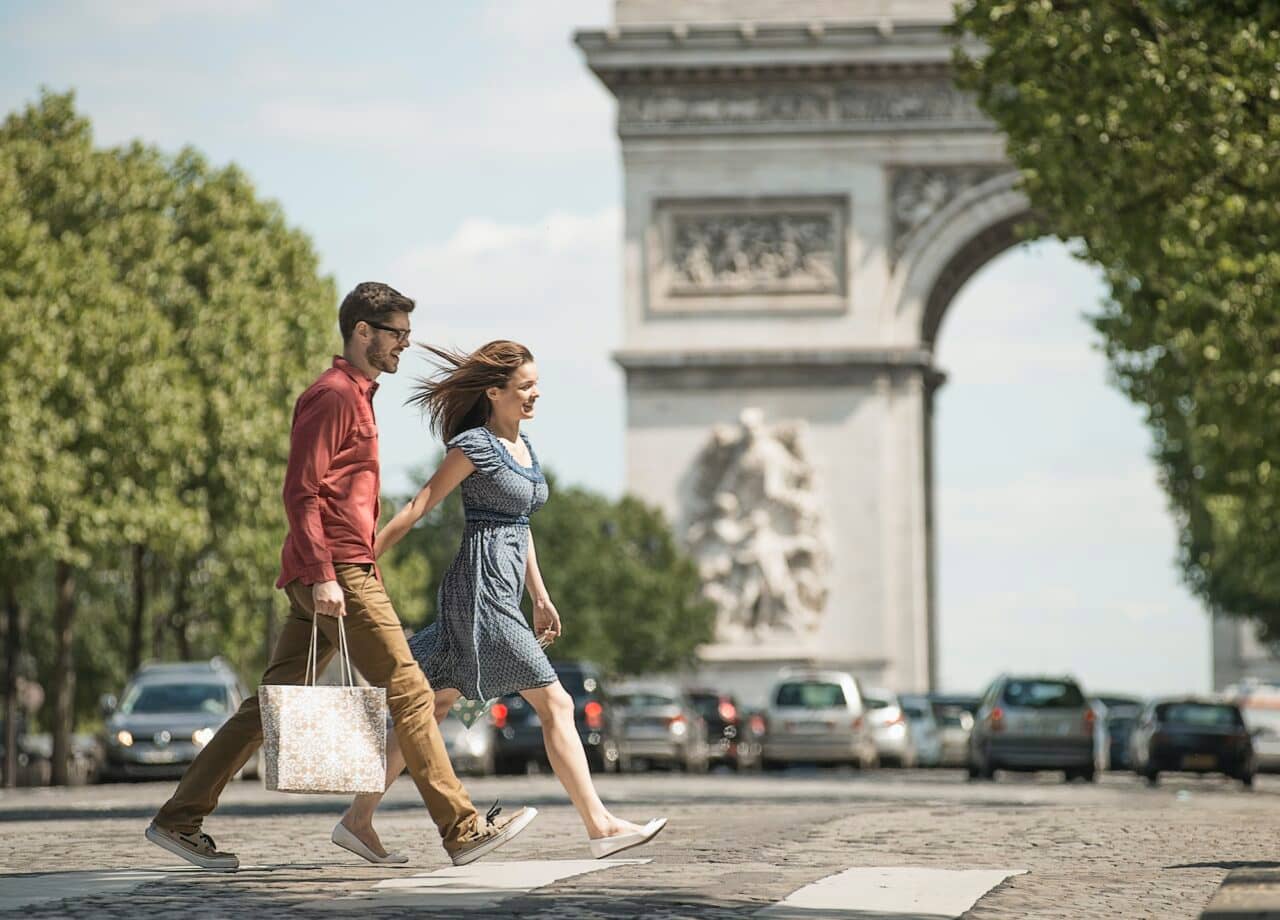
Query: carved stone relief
x,y
756,532
770,254
919,192
851,104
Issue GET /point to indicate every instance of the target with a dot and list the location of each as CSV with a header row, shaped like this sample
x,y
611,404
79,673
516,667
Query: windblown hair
x,y
370,302
453,396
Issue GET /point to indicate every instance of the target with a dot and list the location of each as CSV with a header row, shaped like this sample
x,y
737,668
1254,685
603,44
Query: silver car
x,y
1033,723
890,728
471,750
817,717
954,715
924,729
661,726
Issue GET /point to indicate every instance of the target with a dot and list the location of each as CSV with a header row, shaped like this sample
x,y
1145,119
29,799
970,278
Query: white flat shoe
x,y
607,846
350,842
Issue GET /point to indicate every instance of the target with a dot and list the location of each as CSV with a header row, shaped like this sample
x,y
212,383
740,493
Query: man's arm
x,y
319,427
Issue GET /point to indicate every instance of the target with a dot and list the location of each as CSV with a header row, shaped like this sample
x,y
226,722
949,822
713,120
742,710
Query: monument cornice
x,y
770,367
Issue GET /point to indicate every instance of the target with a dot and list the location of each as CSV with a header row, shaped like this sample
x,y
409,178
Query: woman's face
x,y
515,401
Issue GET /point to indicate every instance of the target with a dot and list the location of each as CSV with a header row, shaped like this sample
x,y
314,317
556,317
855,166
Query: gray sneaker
x,y
197,849
491,832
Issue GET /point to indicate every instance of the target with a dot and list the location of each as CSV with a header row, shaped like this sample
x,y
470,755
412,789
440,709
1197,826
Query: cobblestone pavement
x,y
735,844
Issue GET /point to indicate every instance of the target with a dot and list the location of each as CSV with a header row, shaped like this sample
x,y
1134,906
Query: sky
x,y
464,154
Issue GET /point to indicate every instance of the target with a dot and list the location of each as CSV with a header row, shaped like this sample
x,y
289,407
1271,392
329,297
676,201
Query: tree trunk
x,y
64,673
178,619
139,607
12,648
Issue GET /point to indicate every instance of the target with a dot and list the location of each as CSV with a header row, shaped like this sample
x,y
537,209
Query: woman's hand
x,y
546,620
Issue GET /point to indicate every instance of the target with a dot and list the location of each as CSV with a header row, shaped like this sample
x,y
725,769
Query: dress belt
x,y
492,518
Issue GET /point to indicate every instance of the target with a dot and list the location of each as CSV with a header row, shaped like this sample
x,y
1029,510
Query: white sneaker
x,y
197,849
608,846
343,837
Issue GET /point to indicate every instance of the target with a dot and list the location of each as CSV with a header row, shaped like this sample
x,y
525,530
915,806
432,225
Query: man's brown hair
x,y
370,302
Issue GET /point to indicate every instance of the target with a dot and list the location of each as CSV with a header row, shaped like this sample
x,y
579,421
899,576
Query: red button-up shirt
x,y
331,484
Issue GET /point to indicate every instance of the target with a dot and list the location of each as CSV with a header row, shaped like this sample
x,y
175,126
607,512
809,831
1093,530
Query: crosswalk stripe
x,y
479,885
885,893
32,889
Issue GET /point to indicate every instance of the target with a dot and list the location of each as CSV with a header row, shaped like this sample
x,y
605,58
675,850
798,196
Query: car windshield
x,y
810,695
1043,694
1200,715
915,711
185,697
950,716
707,704
643,698
576,683
875,702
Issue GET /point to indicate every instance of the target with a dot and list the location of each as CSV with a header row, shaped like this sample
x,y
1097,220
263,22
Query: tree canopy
x,y
1149,130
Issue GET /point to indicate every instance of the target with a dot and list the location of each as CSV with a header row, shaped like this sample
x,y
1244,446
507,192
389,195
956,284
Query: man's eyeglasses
x,y
401,334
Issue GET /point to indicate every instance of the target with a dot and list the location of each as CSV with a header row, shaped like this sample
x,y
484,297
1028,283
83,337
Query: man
x,y
331,501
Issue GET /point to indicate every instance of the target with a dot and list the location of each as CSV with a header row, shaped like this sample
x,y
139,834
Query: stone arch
x,y
946,250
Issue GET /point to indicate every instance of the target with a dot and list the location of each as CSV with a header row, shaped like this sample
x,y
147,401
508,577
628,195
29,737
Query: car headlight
x,y
202,736
124,738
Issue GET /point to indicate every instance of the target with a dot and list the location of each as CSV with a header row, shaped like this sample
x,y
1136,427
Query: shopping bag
x,y
324,739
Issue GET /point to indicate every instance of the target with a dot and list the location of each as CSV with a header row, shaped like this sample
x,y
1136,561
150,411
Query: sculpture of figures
x,y
756,531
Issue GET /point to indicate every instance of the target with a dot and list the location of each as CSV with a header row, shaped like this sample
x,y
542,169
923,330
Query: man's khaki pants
x,y
379,651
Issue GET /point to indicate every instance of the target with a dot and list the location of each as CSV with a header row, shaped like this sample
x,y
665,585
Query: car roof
x,y
814,674
642,686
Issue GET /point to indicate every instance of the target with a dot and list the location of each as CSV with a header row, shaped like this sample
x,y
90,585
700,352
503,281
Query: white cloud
x,y
552,284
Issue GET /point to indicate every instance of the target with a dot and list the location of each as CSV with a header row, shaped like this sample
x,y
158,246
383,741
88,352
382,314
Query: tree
x,y
629,599
162,318
1149,130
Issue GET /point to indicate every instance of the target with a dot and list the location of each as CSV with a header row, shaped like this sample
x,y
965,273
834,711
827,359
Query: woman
x,y
480,645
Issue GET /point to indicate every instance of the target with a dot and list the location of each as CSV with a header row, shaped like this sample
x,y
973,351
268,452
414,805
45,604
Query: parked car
x,y
1119,715
166,714
817,717
660,726
954,714
471,750
733,735
518,732
1193,735
1033,723
924,728
890,729
1259,703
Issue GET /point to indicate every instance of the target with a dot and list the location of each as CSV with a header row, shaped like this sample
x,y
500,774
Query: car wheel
x,y
595,761
1090,775
772,766
509,766
1247,780
1153,777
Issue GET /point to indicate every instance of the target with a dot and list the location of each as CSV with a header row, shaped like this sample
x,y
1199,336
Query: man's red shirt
x,y
332,482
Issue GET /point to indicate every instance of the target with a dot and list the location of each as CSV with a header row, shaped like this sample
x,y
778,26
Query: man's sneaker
x,y
197,849
491,832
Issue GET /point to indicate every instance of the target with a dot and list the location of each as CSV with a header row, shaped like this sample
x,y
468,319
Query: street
x,y
736,846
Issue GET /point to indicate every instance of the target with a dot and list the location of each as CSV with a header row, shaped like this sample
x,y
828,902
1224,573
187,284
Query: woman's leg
x,y
564,749
359,816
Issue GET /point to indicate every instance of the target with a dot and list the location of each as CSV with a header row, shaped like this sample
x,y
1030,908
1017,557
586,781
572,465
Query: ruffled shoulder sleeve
x,y
480,449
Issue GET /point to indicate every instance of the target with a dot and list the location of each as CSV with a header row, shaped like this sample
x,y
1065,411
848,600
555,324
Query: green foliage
x,y
628,598
157,320
1150,131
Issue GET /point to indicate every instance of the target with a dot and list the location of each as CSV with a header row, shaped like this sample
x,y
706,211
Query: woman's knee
x,y
554,705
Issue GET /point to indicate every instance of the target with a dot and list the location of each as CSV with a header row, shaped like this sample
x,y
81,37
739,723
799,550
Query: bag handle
x,y
345,672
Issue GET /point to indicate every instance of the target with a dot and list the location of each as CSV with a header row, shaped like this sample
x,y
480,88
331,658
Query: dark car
x,y
518,732
732,734
1119,715
1029,723
167,713
1198,736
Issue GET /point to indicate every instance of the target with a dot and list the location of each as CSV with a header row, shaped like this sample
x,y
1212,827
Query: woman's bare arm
x,y
455,468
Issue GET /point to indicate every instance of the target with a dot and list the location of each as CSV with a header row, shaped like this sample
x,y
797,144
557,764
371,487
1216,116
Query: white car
x,y
817,717
890,728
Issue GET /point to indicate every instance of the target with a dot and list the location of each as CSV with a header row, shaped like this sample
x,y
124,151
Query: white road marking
x,y
884,893
19,891
481,884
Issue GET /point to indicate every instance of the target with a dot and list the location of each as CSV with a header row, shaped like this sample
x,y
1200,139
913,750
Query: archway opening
x,y
1054,545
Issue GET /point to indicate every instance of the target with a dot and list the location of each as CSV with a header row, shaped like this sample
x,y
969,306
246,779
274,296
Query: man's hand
x,y
328,599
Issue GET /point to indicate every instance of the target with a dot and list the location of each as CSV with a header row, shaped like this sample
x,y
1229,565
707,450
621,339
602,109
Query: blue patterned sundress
x,y
480,643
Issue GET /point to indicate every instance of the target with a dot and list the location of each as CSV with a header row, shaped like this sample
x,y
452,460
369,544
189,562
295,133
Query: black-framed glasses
x,y
401,334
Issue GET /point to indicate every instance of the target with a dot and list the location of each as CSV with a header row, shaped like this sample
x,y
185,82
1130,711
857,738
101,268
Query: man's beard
x,y
384,361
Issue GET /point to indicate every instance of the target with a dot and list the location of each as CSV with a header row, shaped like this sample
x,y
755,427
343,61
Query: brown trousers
x,y
379,651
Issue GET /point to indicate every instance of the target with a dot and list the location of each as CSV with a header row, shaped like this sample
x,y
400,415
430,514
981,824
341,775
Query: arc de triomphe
x,y
805,192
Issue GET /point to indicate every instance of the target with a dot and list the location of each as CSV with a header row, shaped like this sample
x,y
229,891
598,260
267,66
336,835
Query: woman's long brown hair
x,y
452,397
